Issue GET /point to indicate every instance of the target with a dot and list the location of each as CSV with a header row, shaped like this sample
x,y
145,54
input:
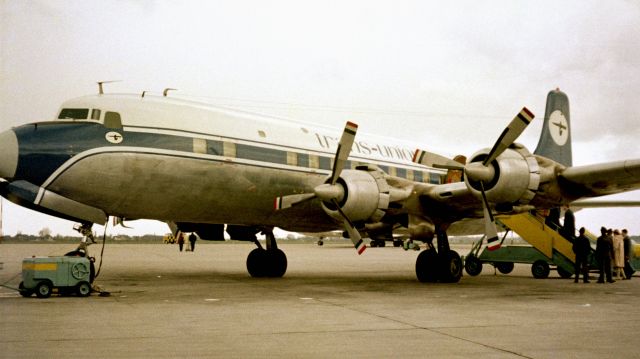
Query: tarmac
x,y
330,303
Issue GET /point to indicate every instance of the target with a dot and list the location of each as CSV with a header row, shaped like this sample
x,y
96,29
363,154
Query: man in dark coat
x,y
604,252
192,240
569,226
628,271
582,248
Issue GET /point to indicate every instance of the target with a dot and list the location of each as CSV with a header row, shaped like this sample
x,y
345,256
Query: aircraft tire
x,y
505,267
427,266
473,265
450,267
256,263
266,263
540,269
276,263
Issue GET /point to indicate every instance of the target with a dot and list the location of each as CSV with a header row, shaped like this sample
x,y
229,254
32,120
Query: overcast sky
x,y
449,76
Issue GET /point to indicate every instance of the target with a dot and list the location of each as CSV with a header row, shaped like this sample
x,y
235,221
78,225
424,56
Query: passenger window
x,y
112,120
74,114
95,114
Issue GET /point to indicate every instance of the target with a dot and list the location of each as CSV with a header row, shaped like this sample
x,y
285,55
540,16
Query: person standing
x,y
192,240
628,271
582,248
180,241
604,252
569,226
618,254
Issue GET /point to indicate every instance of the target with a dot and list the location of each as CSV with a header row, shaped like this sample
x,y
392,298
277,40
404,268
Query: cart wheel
x,y
472,265
43,289
564,273
24,291
540,269
83,289
505,267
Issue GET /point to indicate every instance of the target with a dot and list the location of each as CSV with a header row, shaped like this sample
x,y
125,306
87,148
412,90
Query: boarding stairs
x,y
532,228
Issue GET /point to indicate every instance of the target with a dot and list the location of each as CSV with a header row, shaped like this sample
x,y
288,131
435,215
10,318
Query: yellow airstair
x,y
532,228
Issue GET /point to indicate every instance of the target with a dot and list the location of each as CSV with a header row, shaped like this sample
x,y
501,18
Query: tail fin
x,y
555,140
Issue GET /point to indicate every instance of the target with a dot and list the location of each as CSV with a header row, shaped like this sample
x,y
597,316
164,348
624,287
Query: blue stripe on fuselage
x,y
44,147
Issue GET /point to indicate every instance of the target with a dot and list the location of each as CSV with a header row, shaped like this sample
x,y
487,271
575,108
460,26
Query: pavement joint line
x,y
433,330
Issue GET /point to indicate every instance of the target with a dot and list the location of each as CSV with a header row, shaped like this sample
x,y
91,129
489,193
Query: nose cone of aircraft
x,y
8,154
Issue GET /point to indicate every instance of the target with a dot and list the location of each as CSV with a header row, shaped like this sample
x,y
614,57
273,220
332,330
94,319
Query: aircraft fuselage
x,y
175,160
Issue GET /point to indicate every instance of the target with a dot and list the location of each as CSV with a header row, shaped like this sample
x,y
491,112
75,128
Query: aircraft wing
x,y
601,179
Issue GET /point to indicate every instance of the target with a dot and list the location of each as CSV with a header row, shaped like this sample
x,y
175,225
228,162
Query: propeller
x,y
482,172
330,191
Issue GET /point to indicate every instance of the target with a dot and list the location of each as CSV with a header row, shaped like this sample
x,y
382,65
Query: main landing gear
x,y
443,265
270,262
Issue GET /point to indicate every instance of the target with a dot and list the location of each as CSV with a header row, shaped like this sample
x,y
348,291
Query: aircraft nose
x,y
8,154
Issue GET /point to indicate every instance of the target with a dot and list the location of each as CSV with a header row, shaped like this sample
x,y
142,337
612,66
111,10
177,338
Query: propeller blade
x,y
284,202
354,235
510,134
344,148
431,159
490,229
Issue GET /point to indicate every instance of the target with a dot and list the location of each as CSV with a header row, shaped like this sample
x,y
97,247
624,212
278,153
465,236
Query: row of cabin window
x,y
111,119
230,149
249,152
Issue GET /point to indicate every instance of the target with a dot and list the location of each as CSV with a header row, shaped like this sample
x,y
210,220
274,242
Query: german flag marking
x,y
417,156
493,243
528,113
351,128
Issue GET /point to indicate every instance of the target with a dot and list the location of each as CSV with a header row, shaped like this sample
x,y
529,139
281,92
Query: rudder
x,y
555,140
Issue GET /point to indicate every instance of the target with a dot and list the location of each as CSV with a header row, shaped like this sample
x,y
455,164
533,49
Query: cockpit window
x,y
74,114
95,114
112,120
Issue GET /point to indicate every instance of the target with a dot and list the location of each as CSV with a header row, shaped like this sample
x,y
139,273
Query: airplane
x,y
208,168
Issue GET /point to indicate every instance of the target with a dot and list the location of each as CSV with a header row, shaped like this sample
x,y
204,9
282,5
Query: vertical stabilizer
x,y
555,140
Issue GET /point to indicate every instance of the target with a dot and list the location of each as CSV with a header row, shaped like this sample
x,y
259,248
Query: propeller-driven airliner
x,y
208,169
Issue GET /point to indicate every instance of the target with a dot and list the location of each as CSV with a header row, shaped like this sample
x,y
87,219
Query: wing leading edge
x,y
601,179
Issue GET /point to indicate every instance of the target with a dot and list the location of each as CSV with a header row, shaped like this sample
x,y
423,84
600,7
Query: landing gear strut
x,y
270,262
443,265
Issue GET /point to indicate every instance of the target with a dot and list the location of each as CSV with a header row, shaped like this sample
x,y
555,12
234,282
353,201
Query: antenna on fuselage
x,y
164,93
143,92
100,89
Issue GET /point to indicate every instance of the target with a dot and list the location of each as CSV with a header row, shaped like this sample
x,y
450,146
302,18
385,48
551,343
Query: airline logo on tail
x,y
558,127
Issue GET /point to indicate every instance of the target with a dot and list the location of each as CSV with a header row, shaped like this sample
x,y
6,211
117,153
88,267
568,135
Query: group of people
x,y
613,249
192,241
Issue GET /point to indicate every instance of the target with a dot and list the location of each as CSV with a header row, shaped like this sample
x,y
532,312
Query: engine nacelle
x,y
516,179
366,196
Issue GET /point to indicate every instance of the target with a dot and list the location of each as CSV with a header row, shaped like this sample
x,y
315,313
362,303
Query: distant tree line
x,y
48,238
